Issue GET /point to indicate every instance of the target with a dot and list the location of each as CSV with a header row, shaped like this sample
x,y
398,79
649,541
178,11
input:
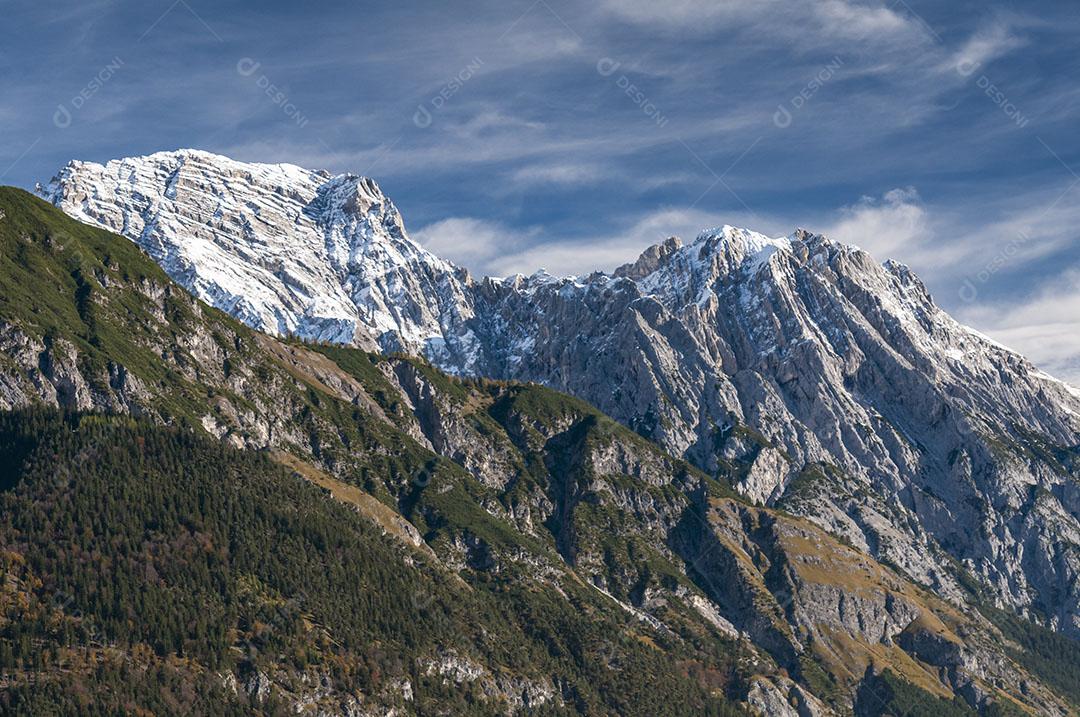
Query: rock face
x,y
284,249
833,386
814,377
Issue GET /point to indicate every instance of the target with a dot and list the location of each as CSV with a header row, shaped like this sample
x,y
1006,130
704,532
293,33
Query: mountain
x,y
284,249
830,385
200,517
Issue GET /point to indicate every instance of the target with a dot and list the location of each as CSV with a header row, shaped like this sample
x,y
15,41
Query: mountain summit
x,y
829,384
284,249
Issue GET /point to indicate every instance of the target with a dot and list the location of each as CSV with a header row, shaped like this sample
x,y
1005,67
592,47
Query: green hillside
x,y
138,550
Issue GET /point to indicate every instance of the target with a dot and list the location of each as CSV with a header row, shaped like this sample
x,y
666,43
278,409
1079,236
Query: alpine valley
x,y
264,454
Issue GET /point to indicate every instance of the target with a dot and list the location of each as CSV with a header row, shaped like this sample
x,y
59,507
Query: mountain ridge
x,y
777,355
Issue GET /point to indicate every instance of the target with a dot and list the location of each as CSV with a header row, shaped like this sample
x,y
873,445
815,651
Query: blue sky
x,y
521,134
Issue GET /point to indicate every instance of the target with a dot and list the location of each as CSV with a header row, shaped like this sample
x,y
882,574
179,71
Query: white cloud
x,y
564,174
1030,229
893,226
951,249
806,20
986,45
585,255
958,251
677,12
470,242
493,249
566,258
849,19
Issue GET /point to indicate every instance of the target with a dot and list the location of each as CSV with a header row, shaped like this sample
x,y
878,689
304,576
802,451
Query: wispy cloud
x,y
473,243
863,20
558,174
845,19
892,226
986,45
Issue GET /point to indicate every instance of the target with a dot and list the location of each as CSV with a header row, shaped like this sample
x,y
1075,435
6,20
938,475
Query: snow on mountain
x,y
810,374
284,249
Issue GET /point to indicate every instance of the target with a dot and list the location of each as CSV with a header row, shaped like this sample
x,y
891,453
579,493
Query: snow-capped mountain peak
x,y
748,245
285,249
